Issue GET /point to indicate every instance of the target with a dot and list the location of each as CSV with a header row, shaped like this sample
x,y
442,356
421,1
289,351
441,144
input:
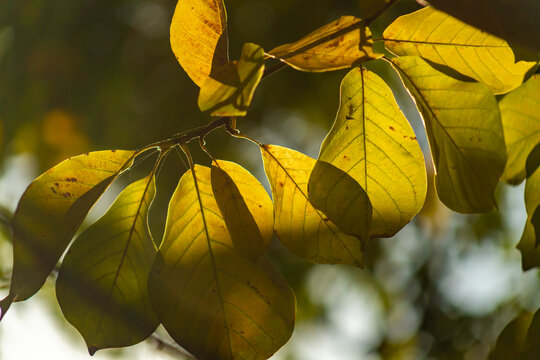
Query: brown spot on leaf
x,y
281,183
54,191
392,128
56,184
66,195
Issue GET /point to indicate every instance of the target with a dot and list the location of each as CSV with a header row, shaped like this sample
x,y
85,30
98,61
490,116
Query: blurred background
x,y
78,76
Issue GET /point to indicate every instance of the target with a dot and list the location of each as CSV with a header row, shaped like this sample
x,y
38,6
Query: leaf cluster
x,y
208,280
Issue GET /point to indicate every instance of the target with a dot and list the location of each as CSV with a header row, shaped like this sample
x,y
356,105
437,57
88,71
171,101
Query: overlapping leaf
x,y
444,40
213,301
302,228
464,129
515,20
50,212
528,245
249,219
199,37
102,284
337,45
520,113
229,89
372,141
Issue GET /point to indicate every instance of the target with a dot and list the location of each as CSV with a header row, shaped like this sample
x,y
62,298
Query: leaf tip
x,y
5,304
92,350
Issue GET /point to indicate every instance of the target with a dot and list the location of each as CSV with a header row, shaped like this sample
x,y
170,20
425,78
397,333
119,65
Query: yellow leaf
x,y
102,284
228,91
303,229
465,134
444,40
510,341
212,300
246,208
51,210
528,245
516,20
520,113
199,37
337,45
373,143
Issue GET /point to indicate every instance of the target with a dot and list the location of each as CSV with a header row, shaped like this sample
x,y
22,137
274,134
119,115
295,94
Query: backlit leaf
x,y
51,210
372,141
444,40
341,199
337,45
199,37
520,113
228,91
102,284
465,134
515,20
302,228
245,206
213,301
528,245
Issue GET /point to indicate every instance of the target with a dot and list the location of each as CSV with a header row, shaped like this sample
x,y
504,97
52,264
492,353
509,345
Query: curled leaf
x,y
337,45
229,90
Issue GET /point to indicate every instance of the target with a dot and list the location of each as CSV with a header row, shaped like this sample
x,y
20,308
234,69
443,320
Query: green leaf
x,y
515,20
520,113
102,283
337,45
228,91
464,129
372,141
303,229
199,37
51,210
528,245
249,217
213,301
510,341
444,40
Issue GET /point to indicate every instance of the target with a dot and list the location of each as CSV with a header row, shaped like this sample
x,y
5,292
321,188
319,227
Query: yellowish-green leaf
x,y
341,199
465,133
228,91
213,301
444,40
303,229
199,37
510,341
372,141
337,45
246,208
516,20
51,210
102,284
520,113
528,245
